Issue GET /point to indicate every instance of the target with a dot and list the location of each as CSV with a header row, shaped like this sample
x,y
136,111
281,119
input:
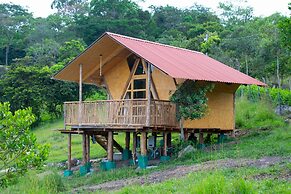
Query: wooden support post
x,y
186,135
201,140
127,140
148,110
181,123
110,146
69,151
165,144
84,148
169,139
88,148
80,95
134,141
143,143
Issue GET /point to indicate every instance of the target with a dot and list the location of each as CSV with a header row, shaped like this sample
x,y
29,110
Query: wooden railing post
x,y
80,95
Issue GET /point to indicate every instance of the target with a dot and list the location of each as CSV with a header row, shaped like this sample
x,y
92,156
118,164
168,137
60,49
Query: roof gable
x,y
183,63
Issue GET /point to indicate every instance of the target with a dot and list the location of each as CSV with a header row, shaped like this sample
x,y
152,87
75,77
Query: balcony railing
x,y
120,113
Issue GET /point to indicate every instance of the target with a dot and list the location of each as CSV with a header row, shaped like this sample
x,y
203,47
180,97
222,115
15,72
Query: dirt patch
x,y
180,171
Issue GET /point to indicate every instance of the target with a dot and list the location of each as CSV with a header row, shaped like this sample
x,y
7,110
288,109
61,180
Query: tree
x,y
70,8
235,14
14,23
191,99
19,150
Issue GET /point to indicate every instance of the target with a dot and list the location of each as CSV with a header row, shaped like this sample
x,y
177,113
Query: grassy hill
x,y
257,161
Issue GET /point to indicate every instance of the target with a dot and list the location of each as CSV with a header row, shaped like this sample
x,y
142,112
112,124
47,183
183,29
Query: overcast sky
x,y
41,8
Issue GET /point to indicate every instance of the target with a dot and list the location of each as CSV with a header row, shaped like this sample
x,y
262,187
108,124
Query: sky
x,y
41,8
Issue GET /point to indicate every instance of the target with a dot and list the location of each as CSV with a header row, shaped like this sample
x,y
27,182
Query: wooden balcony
x,y
120,113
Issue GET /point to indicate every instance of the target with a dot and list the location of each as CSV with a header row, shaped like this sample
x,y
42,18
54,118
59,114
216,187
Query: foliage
x,y
33,87
191,99
255,93
19,150
14,24
258,115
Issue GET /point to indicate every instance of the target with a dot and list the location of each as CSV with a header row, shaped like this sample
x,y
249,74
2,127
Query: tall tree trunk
x,y
247,66
6,55
278,72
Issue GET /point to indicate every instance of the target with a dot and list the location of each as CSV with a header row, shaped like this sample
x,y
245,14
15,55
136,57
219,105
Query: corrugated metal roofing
x,y
183,63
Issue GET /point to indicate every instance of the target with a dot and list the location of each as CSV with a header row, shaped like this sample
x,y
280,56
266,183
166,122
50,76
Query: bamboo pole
x,y
143,143
88,148
84,147
80,94
69,151
165,144
110,146
148,117
134,138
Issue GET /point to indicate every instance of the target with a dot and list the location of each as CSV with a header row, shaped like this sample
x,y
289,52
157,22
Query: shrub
x,y
19,150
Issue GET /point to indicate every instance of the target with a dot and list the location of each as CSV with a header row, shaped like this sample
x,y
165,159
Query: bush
x,y
19,150
256,115
254,93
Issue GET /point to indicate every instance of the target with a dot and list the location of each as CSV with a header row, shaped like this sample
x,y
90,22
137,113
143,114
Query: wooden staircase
x,y
101,139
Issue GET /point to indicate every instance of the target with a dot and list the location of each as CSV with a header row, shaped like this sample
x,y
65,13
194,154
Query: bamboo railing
x,y
120,113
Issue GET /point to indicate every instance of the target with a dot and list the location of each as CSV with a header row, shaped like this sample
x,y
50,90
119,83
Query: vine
x,y
191,100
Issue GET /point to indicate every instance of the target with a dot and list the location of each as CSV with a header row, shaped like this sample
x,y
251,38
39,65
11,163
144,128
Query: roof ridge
x,y
152,42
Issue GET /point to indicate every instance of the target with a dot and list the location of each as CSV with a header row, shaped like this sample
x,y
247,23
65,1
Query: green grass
x,y
272,141
259,115
47,133
232,180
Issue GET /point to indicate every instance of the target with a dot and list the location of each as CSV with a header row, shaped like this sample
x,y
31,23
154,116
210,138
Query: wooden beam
x,y
88,148
201,139
69,151
130,78
127,140
113,54
148,110
134,138
165,144
80,95
110,146
169,139
84,148
143,143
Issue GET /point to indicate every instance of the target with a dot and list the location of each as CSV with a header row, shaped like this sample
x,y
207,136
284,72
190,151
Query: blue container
x,y
143,162
68,173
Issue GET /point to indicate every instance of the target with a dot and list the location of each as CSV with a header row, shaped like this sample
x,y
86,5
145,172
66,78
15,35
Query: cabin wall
x,y
220,109
116,79
164,84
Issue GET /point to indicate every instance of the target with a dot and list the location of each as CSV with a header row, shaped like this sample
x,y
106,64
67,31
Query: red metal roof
x,y
183,63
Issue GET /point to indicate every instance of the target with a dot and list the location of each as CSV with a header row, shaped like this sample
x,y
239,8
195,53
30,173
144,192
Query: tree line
x,y
33,48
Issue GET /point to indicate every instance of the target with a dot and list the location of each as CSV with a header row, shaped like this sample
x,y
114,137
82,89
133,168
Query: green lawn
x,y
233,180
47,133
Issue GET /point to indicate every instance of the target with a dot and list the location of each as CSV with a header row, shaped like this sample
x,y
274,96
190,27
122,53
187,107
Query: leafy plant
x,y
191,99
19,150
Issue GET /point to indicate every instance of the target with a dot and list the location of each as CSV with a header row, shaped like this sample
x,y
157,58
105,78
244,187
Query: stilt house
x,y
139,77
